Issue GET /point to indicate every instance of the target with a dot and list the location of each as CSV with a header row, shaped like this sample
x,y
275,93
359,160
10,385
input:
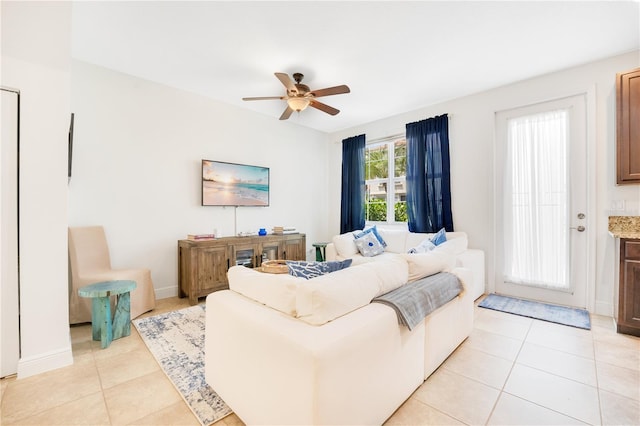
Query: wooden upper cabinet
x,y
628,118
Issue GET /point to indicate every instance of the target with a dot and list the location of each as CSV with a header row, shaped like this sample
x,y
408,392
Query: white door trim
x,y
590,101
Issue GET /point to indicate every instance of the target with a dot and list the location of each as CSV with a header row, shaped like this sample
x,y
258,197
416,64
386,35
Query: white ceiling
x,y
395,56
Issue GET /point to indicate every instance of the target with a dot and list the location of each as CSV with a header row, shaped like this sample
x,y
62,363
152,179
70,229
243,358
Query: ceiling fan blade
x,y
288,83
286,114
324,107
336,90
263,98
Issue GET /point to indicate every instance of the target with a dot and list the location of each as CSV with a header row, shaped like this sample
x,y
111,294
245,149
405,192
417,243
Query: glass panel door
x,y
536,200
245,255
542,227
270,252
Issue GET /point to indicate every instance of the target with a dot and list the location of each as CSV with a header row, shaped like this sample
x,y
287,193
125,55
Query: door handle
x,y
578,228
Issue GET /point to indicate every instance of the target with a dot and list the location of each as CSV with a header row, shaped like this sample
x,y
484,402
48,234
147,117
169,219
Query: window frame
x,y
390,180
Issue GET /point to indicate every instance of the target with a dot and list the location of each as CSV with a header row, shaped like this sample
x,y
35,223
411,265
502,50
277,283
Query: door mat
x,y
573,317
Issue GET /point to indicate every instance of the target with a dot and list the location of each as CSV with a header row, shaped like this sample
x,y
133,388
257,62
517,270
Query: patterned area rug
x,y
176,340
573,317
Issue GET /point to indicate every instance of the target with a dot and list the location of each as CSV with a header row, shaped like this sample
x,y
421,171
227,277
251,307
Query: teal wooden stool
x,y
320,251
103,328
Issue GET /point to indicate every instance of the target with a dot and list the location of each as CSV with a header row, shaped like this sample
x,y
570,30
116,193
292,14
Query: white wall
x,y
471,133
137,157
35,59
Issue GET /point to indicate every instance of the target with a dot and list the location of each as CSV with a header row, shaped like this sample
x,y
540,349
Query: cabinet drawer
x,y
632,250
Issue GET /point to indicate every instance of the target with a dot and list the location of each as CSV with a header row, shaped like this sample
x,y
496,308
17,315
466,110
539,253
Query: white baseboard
x,y
47,361
604,308
166,292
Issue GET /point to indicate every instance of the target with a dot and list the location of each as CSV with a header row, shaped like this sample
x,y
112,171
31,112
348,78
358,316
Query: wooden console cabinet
x,y
628,124
629,292
203,265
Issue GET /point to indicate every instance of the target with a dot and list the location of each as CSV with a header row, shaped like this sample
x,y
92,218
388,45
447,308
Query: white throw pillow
x,y
424,264
345,244
327,297
277,291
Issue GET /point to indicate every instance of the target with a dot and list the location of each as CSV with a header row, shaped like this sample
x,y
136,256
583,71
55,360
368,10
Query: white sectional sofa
x,y
284,350
401,241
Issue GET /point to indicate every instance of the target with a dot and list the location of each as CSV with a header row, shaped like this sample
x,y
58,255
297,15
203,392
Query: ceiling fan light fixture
x,y
299,96
298,104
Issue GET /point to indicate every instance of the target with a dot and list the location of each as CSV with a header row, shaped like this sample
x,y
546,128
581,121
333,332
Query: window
x,y
385,178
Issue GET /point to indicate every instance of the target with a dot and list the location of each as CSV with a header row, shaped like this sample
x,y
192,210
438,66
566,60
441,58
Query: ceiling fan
x,y
299,96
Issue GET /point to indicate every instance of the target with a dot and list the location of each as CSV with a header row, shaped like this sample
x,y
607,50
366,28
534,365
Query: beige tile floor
x,y
510,371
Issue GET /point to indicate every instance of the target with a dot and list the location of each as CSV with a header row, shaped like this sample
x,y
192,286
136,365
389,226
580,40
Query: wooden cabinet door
x,y
294,248
629,303
628,123
631,307
212,268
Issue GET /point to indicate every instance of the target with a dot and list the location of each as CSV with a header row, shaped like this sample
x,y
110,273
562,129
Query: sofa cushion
x,y
359,259
277,291
369,245
345,244
414,239
453,246
395,239
308,270
327,297
456,241
425,246
424,264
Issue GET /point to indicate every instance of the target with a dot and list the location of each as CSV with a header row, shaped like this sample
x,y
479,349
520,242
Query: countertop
x,y
625,226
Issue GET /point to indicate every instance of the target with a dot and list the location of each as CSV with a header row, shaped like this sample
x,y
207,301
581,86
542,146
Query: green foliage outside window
x,y
377,211
376,162
400,152
377,167
400,211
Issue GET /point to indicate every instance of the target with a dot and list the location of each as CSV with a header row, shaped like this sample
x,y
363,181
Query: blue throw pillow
x,y
440,237
336,265
368,245
375,232
308,270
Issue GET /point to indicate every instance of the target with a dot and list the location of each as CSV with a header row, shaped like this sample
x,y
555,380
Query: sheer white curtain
x,y
536,200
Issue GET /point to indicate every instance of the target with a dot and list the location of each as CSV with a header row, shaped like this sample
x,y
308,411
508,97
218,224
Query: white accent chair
x,y
89,262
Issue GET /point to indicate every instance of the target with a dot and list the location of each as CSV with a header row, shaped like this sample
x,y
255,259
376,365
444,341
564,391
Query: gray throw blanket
x,y
414,301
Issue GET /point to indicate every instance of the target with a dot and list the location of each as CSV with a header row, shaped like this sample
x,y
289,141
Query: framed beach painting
x,y
232,184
